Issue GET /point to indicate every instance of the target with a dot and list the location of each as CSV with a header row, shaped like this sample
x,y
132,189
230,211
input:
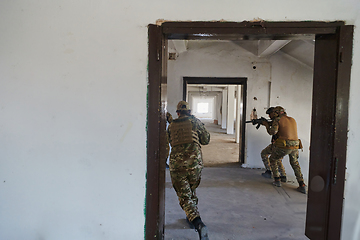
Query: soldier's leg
x,y
183,190
194,181
265,153
294,156
281,170
276,156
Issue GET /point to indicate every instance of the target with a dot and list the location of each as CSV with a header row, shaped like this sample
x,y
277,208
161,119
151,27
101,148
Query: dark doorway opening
x,y
332,65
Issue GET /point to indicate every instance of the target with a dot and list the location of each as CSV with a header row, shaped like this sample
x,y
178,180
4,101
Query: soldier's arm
x,y
204,135
167,144
168,139
273,128
169,117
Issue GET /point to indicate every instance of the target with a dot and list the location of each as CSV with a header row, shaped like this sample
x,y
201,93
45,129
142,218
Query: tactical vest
x,y
181,132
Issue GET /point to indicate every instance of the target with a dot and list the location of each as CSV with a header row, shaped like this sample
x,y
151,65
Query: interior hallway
x,y
237,203
222,150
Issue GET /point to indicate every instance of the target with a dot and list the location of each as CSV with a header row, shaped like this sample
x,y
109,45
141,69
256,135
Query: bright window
x,y
203,107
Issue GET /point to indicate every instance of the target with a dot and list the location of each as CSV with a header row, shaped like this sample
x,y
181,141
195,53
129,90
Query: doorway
x,y
333,47
241,102
229,58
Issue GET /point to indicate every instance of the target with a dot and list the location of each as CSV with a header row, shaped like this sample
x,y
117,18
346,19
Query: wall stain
x,y
126,131
293,74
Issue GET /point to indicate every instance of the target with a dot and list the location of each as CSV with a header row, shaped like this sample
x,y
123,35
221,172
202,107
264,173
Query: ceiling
x,y
301,50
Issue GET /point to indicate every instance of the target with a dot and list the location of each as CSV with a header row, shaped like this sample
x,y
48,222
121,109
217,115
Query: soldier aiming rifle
x,y
287,143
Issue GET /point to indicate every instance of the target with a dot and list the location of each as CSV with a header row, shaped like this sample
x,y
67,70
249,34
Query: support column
x,y
231,110
218,106
214,106
238,113
190,101
224,109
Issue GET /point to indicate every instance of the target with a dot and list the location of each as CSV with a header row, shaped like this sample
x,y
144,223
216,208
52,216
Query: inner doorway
x,y
234,120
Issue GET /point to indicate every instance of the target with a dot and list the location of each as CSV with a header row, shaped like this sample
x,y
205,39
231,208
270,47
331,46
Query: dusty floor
x,y
237,203
220,143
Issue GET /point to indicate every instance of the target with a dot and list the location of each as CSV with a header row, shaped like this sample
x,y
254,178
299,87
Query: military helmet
x,y
182,106
279,109
270,110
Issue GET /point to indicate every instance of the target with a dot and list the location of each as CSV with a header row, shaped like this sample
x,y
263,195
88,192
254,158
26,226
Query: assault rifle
x,y
257,121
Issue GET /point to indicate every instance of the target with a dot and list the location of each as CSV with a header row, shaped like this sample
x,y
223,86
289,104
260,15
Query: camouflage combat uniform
x,y
265,153
186,162
283,147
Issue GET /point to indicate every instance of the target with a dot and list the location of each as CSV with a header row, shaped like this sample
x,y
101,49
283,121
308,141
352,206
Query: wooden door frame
x,y
334,114
224,81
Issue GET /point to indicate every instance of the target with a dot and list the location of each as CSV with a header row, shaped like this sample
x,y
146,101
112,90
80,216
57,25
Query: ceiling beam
x,y
180,45
269,47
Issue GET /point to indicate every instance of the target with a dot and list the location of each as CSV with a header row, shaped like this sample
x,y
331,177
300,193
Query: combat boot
x,y
283,178
201,228
266,174
277,182
302,187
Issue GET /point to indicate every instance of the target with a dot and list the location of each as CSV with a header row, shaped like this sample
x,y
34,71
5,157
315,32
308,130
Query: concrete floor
x,y
237,203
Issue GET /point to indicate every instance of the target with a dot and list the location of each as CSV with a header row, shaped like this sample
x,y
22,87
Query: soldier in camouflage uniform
x,y
186,134
266,152
286,144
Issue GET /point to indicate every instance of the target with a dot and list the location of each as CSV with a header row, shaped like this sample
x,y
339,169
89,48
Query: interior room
x,y
277,73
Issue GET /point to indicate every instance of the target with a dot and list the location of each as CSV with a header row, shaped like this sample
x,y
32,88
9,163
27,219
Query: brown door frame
x,y
224,81
333,54
332,67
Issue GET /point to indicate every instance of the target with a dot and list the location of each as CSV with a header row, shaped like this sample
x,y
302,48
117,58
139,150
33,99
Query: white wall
x,y
72,144
291,88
